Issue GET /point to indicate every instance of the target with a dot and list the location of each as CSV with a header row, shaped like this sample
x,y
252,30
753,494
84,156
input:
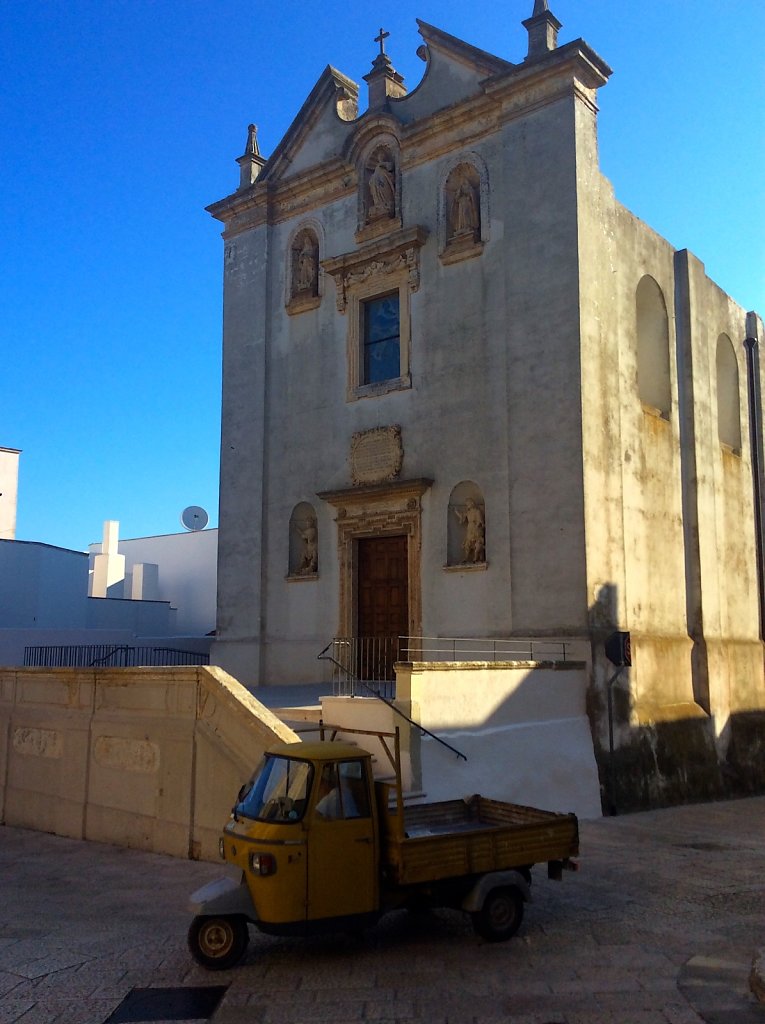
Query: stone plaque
x,y
38,742
376,455
127,754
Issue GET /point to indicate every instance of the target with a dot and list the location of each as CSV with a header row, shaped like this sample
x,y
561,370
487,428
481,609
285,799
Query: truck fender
x,y
474,900
223,896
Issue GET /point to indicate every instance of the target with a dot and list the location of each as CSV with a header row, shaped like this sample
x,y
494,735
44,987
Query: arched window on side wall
x,y
653,376
728,399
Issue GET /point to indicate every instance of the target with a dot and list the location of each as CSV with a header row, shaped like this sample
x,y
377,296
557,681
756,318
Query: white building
x,y
146,593
180,568
9,484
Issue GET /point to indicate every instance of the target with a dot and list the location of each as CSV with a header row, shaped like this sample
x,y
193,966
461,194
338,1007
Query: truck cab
x,y
304,831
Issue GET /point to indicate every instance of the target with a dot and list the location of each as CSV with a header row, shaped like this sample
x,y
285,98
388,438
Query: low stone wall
x,y
149,758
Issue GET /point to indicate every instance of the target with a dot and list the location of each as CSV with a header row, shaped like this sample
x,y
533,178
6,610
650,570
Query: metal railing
x,y
361,664
442,648
360,688
369,661
109,656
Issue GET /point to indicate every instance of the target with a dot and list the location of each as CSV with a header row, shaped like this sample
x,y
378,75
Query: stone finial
x,y
542,28
251,163
383,80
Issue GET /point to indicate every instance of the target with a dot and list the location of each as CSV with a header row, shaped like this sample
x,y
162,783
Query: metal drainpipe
x,y
755,437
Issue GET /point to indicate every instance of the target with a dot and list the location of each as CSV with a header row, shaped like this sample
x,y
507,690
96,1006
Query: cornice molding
x,y
359,495
396,252
573,69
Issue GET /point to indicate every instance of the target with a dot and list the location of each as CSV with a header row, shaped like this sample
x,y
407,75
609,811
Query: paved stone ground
x,y
658,927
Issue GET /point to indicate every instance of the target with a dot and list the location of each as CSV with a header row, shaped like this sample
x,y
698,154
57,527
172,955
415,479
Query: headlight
x,y
262,863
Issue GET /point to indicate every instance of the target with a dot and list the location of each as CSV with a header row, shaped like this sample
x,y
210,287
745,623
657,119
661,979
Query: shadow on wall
x,y
672,751
541,733
662,764
521,726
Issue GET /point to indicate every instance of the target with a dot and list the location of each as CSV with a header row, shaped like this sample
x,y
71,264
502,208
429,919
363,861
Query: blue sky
x,y
121,120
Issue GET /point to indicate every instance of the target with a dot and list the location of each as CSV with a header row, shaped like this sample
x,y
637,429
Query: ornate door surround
x,y
378,510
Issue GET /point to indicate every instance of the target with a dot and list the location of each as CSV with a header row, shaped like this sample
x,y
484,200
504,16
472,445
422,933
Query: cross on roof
x,y
381,40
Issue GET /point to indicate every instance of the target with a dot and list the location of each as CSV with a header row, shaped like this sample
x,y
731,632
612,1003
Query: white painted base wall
x,y
542,764
522,726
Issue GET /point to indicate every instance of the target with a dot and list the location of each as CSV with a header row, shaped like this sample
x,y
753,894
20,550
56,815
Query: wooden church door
x,y
383,603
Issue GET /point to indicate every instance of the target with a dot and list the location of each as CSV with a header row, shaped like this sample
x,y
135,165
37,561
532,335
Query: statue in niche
x,y
310,558
382,186
474,543
306,268
464,212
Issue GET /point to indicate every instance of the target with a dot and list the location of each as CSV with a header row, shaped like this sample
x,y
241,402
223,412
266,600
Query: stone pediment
x,y
325,116
328,122
482,63
455,73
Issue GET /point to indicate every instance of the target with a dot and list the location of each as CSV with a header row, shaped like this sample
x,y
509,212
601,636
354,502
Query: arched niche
x,y
653,372
466,526
303,541
728,400
463,209
379,176
303,270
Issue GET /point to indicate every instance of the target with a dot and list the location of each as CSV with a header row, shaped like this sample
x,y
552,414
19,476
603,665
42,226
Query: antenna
x,y
194,518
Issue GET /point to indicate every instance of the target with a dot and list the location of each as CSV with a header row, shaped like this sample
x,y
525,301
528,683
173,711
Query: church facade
x,y
466,393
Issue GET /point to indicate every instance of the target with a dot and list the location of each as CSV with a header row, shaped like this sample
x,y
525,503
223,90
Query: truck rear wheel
x,y
501,914
218,943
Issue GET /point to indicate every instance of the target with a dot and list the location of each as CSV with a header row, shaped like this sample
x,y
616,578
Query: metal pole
x,y
756,445
611,767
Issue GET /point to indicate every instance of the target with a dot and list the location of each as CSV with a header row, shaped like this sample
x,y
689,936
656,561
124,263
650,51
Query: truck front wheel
x,y
218,943
501,914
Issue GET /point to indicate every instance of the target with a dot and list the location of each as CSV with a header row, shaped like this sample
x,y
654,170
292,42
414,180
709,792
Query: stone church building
x,y
466,393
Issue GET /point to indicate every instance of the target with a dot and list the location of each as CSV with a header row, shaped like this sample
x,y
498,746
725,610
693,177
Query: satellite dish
x,y
194,518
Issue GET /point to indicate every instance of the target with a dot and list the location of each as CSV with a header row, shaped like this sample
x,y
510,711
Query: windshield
x,y
277,791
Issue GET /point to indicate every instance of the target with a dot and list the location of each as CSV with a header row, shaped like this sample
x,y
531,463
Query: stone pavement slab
x,y
658,927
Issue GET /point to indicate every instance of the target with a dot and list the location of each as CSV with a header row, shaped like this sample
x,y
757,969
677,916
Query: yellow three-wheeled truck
x,y
320,844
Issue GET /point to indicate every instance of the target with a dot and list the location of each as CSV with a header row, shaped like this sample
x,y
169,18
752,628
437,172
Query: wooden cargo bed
x,y
465,837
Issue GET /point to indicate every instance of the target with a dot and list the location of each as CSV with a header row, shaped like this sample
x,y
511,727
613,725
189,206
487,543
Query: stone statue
x,y
305,278
382,188
474,544
310,559
465,215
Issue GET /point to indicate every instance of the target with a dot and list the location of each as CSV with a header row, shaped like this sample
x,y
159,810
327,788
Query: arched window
x,y
466,526
653,376
728,404
303,541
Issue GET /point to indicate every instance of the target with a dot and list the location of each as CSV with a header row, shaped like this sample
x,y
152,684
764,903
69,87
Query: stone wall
x,y
149,758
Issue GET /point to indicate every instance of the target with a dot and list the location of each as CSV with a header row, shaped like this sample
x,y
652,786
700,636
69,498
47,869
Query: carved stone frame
x,y
373,288
372,272
455,250
383,510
